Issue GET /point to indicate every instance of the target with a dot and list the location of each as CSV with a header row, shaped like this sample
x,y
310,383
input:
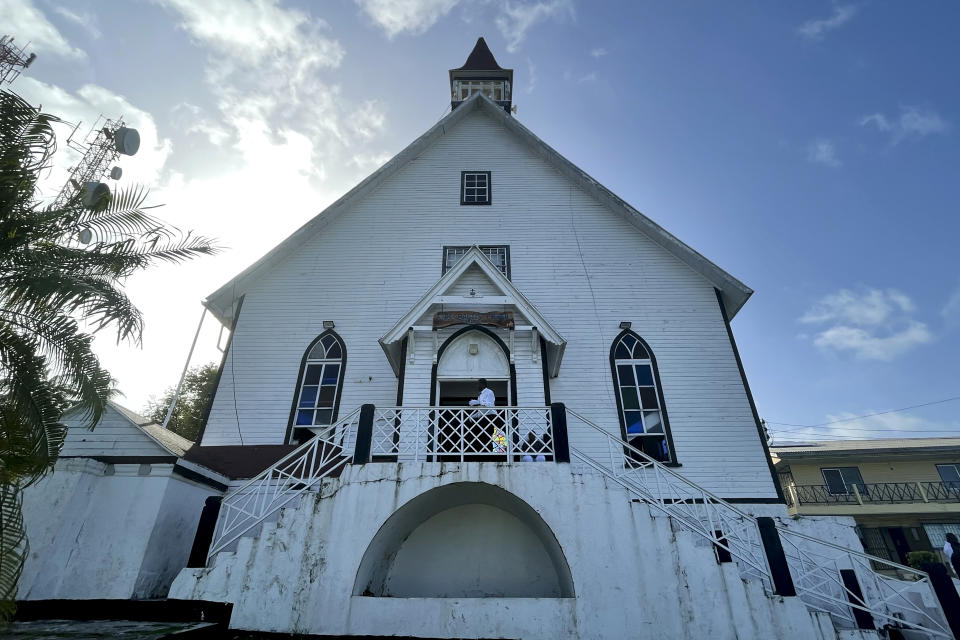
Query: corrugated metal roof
x,y
172,442
877,446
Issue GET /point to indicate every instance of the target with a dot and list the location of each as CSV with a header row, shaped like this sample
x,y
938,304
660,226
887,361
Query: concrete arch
x,y
465,540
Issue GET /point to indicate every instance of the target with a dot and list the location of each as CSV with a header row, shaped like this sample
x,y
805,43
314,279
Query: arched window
x,y
320,382
643,418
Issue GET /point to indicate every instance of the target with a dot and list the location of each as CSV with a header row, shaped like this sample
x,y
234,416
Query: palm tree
x,y
53,289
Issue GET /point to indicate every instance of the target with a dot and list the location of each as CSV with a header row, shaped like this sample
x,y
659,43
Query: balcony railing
x,y
448,434
874,493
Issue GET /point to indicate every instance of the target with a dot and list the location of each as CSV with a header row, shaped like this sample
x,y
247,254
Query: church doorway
x,y
465,358
467,432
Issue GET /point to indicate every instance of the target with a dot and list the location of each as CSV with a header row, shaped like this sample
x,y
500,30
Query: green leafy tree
x,y
55,291
194,396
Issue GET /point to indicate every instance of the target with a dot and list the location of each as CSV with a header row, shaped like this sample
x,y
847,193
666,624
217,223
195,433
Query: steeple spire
x,y
481,73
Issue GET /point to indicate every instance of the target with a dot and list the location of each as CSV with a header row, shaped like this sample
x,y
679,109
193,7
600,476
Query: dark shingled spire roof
x,y
480,59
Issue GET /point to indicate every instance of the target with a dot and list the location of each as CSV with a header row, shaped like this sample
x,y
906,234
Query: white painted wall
x,y
471,551
584,267
634,575
107,531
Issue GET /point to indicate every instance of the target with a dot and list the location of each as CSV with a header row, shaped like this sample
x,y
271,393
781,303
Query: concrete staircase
x,y
640,574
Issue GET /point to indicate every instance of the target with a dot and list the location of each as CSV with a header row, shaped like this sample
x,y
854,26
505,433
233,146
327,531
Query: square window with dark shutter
x,y
475,187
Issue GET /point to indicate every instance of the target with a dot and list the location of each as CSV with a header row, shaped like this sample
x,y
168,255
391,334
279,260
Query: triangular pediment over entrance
x,y
474,286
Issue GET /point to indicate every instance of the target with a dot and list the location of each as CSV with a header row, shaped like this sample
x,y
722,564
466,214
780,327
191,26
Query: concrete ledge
x,y
461,617
140,610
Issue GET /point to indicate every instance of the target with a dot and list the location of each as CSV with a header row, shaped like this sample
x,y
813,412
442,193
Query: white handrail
x,y
722,524
816,576
249,505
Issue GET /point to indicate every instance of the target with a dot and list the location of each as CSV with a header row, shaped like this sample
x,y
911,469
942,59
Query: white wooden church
x,y
612,481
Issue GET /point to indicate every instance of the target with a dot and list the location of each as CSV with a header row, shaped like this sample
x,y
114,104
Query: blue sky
x,y
810,149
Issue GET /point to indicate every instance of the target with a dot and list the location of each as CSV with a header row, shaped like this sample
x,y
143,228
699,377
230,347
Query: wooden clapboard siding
x,y
472,278
114,436
584,267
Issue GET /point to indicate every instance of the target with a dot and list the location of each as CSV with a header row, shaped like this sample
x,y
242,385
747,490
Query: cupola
x,y
481,74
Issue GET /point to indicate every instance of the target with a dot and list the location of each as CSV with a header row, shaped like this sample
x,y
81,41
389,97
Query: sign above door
x,y
502,319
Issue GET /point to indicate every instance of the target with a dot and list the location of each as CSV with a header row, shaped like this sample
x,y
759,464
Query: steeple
x,y
481,73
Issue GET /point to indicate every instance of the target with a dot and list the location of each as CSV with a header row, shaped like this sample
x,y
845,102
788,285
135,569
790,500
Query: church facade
x,y
617,486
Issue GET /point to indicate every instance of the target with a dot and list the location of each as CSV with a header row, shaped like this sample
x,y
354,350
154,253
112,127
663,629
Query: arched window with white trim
x,y
320,382
643,417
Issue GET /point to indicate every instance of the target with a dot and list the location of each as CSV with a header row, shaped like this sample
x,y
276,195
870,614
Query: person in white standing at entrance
x,y
486,398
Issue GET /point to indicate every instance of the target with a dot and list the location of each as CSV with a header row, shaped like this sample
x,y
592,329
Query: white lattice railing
x,y
814,564
721,523
244,508
450,434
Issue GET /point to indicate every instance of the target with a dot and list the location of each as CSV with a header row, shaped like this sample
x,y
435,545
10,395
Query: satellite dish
x,y
85,236
94,193
116,172
126,140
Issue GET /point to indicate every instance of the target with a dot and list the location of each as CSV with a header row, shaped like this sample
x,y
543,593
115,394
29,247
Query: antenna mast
x,y
106,142
13,59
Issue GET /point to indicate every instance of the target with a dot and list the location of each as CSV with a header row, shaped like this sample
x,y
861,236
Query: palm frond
x,y
13,547
52,290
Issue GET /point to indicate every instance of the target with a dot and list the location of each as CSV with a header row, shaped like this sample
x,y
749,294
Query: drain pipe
x,y
183,374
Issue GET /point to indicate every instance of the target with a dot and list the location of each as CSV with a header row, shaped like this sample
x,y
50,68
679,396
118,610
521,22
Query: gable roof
x,y
172,442
222,302
480,59
112,436
474,258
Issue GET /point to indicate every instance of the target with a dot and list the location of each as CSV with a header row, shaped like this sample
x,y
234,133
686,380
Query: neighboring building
x,y
620,484
903,493
116,517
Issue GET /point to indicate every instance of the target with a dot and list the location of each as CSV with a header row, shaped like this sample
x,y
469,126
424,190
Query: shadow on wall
x,y
464,540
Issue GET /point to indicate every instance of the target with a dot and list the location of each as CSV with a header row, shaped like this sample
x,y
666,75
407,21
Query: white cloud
x,y
513,19
816,29
588,77
368,119
912,123
411,16
867,346
191,119
265,68
253,31
87,21
822,151
28,24
532,78
872,325
951,310
599,52
871,308
370,162
516,19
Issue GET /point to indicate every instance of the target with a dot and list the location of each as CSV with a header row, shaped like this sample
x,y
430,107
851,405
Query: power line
x,y
868,415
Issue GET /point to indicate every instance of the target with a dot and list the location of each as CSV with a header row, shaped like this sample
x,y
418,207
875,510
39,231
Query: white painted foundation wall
x,y
108,531
632,573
